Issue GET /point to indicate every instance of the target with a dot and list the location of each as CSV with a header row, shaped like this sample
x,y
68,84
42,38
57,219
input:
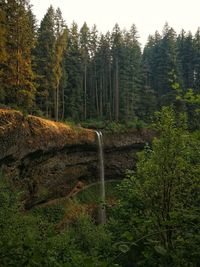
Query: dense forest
x,y
66,73
62,72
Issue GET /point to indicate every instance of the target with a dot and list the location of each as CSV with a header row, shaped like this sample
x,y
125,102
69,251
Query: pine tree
x,y
102,87
131,67
93,105
148,99
169,66
72,64
161,59
60,47
197,61
3,52
44,62
186,58
116,53
85,58
20,40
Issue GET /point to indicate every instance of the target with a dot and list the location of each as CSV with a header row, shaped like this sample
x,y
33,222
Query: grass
x,y
63,211
114,127
91,194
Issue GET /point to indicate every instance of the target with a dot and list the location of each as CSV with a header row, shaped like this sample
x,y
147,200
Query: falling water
x,y
102,212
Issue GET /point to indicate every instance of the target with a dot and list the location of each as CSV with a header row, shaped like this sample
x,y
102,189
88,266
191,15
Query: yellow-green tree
x,y
60,47
19,41
3,54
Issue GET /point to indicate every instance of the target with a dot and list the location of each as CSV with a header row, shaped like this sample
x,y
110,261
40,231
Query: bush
x,y
29,239
158,213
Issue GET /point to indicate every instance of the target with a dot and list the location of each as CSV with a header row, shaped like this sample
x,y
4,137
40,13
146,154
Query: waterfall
x,y
102,211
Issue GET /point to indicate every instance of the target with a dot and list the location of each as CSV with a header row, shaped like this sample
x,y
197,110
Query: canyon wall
x,y
46,159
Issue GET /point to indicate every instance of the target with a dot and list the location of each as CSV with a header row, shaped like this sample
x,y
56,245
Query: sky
x,y
147,15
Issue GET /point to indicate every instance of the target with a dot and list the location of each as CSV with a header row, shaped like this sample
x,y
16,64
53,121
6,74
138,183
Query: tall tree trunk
x,y
117,91
17,63
47,107
57,101
97,98
63,103
101,98
85,92
110,93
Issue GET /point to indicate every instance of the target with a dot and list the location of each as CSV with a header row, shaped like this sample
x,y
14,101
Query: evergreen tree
x,y
85,58
148,99
116,56
104,92
197,61
93,110
131,68
20,40
186,58
169,66
161,59
3,52
60,46
72,64
44,65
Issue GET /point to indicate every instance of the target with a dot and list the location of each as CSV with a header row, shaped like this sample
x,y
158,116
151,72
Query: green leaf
x,y
128,236
161,250
123,248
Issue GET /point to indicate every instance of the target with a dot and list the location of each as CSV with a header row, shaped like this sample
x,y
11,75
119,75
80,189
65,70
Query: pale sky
x,y
147,15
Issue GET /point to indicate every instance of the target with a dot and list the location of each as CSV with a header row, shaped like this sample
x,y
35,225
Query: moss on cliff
x,y
20,135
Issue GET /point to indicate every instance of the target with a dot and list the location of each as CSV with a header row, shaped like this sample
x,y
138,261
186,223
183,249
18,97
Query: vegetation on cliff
x,y
154,219
20,135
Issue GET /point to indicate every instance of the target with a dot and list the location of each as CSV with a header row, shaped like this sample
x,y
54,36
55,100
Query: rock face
x,y
120,150
46,158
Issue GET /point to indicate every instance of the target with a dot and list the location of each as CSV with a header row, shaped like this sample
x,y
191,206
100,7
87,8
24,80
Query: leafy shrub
x,y
29,238
158,211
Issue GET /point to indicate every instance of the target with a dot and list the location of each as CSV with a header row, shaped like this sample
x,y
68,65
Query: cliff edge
x,y
46,159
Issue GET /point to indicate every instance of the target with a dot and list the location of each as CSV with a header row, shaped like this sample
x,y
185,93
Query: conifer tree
x,y
103,78
60,46
197,61
169,66
44,57
186,58
93,110
131,68
85,58
148,98
20,40
3,52
161,59
72,64
116,53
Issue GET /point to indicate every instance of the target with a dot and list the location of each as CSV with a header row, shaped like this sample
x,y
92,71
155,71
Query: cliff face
x,y
46,159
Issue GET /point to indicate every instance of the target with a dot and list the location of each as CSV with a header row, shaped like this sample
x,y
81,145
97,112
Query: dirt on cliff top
x,y
21,135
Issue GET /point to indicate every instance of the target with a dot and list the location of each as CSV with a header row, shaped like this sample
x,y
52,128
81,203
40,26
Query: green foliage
x,y
190,102
80,74
91,194
17,41
52,214
154,221
92,240
158,206
115,127
30,239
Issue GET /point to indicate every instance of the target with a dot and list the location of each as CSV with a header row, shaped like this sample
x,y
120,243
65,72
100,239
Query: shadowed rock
x,y
46,158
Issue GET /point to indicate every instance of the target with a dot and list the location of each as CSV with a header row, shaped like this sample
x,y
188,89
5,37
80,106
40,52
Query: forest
x,y
82,77
64,73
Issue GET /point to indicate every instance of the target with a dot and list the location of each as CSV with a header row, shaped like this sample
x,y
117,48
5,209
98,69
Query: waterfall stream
x,y
102,211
